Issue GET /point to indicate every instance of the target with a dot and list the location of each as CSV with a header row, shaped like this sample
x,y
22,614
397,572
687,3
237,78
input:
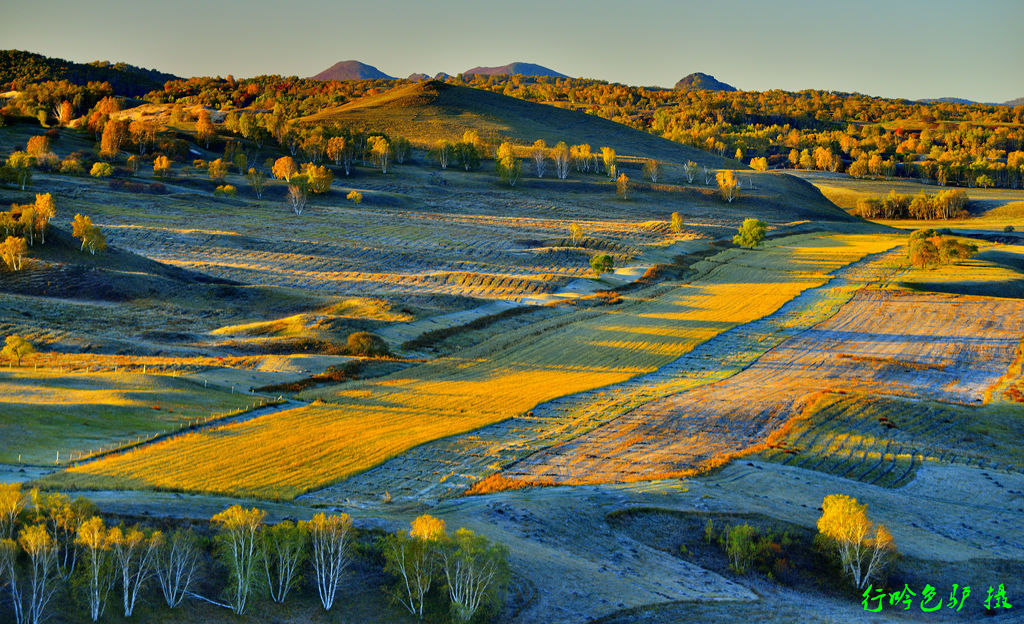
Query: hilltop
x,y
19,68
699,81
351,70
523,69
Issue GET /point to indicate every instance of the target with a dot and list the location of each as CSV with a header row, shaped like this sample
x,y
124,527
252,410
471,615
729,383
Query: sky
x,y
892,48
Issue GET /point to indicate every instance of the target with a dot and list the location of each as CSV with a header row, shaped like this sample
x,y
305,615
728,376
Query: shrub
x,y
751,233
923,253
101,170
366,344
1008,229
355,197
601,263
225,190
71,166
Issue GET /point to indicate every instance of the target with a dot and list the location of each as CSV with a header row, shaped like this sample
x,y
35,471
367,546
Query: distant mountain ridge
x,y
699,81
19,68
524,69
947,100
351,70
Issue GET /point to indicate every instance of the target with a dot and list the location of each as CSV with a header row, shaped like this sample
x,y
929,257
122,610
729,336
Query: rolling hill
x,y
426,112
524,69
351,70
700,81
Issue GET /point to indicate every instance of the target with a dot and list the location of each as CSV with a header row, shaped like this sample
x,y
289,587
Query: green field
x,y
46,411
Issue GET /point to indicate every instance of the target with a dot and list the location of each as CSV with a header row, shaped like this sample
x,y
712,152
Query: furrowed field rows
x,y
452,465
363,424
342,250
885,342
880,440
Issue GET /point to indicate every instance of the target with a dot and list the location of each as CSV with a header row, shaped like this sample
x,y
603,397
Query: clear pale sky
x,y
895,48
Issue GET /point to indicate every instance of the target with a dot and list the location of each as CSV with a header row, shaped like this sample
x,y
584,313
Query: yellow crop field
x,y
357,426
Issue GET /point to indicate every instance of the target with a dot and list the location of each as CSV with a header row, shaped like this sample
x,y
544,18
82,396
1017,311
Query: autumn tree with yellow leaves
x,y
728,185
413,558
238,542
863,548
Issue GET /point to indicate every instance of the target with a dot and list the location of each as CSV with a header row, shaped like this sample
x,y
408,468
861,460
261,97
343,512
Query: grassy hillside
x,y
431,111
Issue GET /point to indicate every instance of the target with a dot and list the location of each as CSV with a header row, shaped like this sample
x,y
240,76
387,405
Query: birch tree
x,y
653,170
63,517
690,169
205,130
509,167
161,167
575,233
863,548
284,168
41,549
12,502
580,155
285,549
297,197
135,555
443,152
330,553
21,164
676,222
475,572
257,180
8,570
12,251
238,542
413,558
560,156
608,158
94,541
622,186
728,185
539,154
175,562
380,148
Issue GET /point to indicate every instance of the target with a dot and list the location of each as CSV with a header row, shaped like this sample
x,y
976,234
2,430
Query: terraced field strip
x,y
894,343
452,465
361,425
